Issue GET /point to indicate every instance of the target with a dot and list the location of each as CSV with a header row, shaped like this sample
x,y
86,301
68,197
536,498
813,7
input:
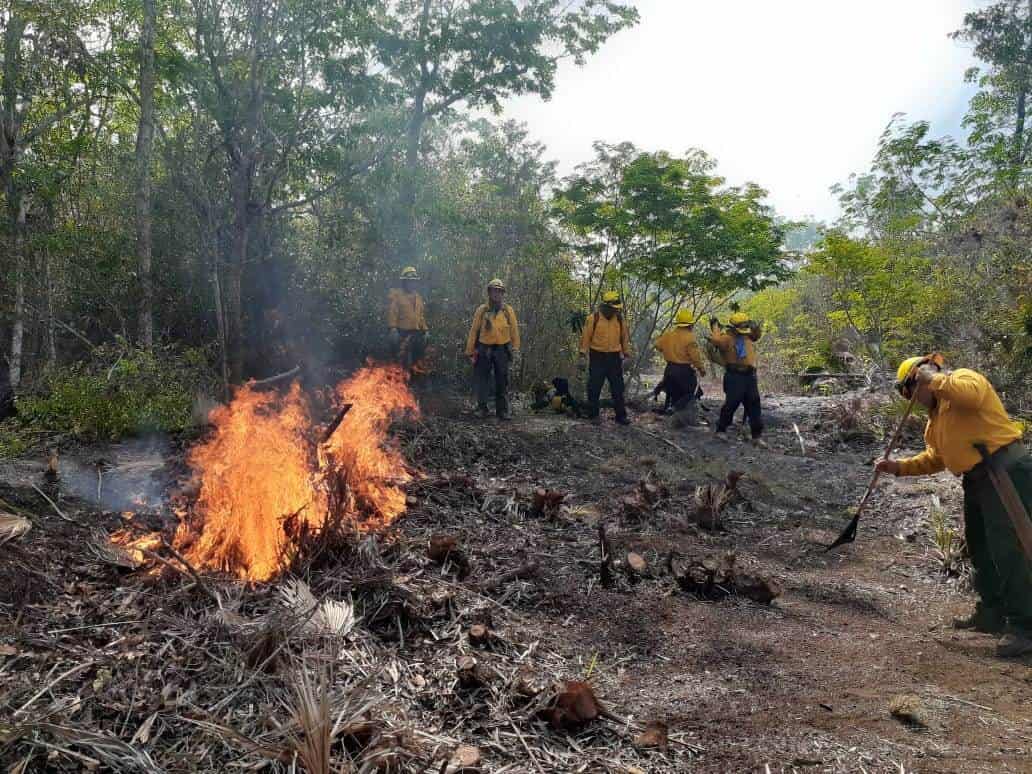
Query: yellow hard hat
x,y
496,283
409,272
906,367
612,298
684,318
740,322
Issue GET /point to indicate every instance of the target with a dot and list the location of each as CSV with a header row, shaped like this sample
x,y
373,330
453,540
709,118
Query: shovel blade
x,y
848,534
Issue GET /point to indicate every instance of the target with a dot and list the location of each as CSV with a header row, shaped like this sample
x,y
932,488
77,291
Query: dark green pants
x,y
1002,574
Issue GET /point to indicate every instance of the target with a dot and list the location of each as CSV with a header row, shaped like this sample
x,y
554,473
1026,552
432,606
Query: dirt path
x,y
803,684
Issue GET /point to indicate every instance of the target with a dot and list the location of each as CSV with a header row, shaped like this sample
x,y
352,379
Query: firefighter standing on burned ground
x,y
684,364
737,345
494,338
604,349
406,319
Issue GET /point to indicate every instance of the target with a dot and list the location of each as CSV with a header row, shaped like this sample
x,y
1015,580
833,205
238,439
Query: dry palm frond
x,y
311,714
106,749
710,500
331,617
103,550
12,527
947,541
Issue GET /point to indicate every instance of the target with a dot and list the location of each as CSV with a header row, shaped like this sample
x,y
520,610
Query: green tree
x,y
440,53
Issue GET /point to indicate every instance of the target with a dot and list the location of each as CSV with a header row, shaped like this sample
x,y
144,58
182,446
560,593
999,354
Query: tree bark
x,y
18,205
407,230
144,146
50,332
233,296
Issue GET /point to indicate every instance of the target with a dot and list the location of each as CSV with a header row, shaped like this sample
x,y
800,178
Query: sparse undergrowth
x,y
120,391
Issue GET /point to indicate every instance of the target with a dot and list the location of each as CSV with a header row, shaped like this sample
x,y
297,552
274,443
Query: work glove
x,y
887,466
924,373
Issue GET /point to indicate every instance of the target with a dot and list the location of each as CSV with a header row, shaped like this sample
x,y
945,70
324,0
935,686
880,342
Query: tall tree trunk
x,y
233,296
19,206
144,145
407,226
49,332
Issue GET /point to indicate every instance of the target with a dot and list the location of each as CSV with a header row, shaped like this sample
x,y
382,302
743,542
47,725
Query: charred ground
x,y
806,683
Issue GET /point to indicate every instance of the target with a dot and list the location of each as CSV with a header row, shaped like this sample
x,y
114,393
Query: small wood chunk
x,y
654,736
636,563
441,546
466,758
467,671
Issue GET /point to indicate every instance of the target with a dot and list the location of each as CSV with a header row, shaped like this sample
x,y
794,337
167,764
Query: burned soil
x,y
475,616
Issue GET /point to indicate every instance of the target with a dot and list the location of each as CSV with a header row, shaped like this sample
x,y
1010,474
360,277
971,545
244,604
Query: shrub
x,y
120,391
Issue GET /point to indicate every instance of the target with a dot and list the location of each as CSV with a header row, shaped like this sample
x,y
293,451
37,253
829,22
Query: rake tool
x,y
849,533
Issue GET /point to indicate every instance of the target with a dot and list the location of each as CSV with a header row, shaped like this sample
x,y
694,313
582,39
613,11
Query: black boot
x,y
985,619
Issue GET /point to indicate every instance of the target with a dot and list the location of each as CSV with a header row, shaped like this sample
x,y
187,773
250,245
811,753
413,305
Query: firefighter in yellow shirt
x,y
738,348
970,434
684,363
604,349
406,319
493,339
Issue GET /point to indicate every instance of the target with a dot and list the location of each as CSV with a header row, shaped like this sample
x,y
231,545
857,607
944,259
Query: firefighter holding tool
x,y
970,434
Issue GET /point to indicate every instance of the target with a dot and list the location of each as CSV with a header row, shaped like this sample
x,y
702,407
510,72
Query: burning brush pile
x,y
270,480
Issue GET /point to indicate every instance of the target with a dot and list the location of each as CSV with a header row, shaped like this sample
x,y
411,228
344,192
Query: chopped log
x,y
636,564
527,570
655,736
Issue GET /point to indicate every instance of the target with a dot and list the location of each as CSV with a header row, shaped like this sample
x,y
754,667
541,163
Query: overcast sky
x,y
790,94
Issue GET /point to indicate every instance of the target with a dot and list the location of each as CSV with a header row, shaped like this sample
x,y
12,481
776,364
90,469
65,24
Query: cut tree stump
x,y
469,673
712,578
479,635
655,736
636,564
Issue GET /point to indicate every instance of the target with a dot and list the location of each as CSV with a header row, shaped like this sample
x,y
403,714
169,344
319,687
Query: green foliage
x,y
119,392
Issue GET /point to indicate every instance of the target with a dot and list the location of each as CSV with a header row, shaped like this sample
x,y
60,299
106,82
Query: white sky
x,y
790,94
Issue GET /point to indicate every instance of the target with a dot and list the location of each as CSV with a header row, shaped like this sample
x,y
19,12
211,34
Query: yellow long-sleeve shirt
x,y
493,328
725,342
679,346
968,412
405,311
604,335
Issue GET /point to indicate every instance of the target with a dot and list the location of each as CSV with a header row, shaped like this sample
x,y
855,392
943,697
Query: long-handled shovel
x,y
849,533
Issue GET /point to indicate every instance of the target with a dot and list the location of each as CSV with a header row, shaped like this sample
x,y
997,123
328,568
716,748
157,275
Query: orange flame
x,y
261,467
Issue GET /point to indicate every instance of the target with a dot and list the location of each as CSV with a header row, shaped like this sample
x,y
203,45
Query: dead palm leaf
x,y
12,526
331,617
